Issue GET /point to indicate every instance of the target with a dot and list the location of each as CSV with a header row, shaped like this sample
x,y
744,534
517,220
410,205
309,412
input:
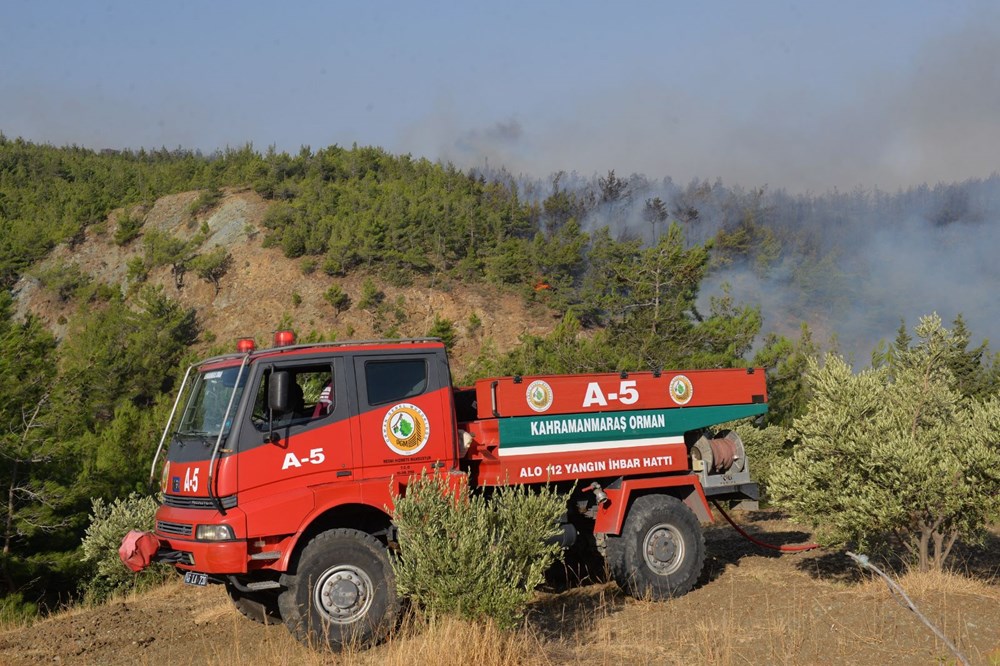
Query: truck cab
x,y
268,440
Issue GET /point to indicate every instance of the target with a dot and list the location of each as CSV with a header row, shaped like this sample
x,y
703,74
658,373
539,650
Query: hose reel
x,y
719,454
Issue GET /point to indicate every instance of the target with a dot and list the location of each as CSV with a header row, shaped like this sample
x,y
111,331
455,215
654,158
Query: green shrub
x,y
136,270
279,216
206,201
444,329
397,276
338,298
14,611
472,556
66,281
399,310
212,266
371,295
128,228
333,266
109,523
162,249
475,324
895,455
767,449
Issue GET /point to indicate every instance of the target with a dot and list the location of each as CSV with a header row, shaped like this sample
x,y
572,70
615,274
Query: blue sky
x,y
802,95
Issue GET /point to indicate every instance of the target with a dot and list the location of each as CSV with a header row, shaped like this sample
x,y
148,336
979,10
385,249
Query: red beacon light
x,y
284,338
245,345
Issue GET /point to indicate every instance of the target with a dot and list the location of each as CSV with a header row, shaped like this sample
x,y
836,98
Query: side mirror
x,y
277,391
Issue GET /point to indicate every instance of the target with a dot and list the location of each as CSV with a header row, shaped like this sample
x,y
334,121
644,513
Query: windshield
x,y
206,408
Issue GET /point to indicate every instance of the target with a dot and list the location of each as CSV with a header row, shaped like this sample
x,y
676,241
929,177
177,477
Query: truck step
x,y
263,585
269,555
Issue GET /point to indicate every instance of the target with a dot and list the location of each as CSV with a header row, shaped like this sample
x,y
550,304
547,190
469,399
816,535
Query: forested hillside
x,y
850,263
136,260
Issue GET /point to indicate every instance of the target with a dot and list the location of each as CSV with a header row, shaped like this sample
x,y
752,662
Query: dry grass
x,y
757,610
13,624
453,642
442,641
918,584
766,612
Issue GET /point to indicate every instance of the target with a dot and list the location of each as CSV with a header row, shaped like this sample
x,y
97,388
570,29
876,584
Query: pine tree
x,y
33,492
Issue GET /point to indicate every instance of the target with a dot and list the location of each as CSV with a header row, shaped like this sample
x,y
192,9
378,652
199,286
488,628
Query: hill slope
x,y
256,294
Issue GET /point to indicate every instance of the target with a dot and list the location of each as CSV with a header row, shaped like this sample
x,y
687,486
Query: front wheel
x,y
260,606
661,550
343,593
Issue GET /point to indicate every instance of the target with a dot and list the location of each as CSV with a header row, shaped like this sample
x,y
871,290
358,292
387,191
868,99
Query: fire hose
x,y
762,544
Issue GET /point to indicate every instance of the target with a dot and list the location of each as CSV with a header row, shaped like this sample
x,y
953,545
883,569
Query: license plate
x,y
194,578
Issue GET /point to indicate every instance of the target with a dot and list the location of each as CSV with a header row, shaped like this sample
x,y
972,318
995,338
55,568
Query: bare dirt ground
x,y
753,607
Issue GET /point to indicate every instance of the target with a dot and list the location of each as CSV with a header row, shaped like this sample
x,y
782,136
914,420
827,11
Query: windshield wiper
x,y
205,436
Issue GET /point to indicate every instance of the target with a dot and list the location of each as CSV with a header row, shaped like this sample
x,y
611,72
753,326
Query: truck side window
x,y
311,396
391,381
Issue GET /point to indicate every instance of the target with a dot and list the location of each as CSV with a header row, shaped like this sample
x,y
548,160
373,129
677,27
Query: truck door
x,y
405,425
309,443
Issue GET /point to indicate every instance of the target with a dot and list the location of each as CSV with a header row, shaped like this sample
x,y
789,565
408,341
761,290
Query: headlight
x,y
214,533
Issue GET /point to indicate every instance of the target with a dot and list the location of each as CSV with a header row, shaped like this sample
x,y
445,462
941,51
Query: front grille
x,y
180,502
176,529
175,557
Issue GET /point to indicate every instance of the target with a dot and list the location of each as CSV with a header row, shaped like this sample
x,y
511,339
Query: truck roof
x,y
404,344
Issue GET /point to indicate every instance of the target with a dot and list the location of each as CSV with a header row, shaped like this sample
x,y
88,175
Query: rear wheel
x,y
261,606
661,550
344,591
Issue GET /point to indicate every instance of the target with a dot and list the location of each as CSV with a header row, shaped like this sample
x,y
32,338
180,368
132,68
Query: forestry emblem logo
x,y
539,395
681,390
405,429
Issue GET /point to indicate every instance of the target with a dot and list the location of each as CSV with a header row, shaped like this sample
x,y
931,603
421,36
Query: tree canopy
x,y
896,453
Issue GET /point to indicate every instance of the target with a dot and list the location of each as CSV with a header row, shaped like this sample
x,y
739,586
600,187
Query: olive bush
x,y
767,449
895,453
109,523
475,556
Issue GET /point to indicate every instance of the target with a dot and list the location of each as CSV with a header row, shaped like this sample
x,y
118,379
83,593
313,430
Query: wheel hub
x,y
344,594
663,549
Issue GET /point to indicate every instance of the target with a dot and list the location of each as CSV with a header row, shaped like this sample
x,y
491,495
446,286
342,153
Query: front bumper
x,y
175,529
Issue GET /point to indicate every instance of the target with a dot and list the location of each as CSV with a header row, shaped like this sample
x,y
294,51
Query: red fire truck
x,y
281,470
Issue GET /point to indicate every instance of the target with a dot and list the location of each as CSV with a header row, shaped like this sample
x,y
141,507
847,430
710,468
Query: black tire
x,y
661,550
582,562
261,606
343,592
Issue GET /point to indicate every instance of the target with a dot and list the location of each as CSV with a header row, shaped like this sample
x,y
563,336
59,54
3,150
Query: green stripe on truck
x,y
527,431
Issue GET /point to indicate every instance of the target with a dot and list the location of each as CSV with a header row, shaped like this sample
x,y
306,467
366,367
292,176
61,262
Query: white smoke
x,y
933,122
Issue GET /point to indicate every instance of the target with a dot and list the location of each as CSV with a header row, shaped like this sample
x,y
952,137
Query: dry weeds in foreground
x,y
763,612
748,618
756,610
440,641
